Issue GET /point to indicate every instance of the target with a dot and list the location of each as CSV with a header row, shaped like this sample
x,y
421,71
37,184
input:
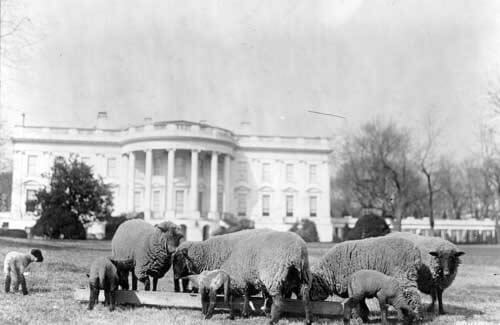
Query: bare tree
x,y
450,178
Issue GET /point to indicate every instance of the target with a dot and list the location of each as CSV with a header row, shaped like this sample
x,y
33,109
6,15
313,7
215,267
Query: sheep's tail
x,y
227,283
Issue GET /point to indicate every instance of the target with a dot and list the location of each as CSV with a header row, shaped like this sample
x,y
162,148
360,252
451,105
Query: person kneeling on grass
x,y
15,264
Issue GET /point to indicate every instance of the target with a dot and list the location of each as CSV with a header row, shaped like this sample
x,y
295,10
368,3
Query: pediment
x,y
313,190
266,189
242,188
290,189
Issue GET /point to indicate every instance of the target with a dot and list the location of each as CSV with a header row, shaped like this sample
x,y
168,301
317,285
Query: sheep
x,y
440,259
15,264
263,260
395,257
208,282
107,273
373,284
151,248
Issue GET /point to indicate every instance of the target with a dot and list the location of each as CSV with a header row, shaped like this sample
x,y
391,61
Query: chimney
x,y
244,127
102,120
148,120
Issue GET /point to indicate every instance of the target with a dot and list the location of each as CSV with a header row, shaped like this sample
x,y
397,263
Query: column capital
x,y
170,149
148,150
196,150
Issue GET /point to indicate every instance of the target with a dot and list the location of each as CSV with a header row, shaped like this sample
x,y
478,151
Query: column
x,y
170,183
227,184
17,179
124,183
147,184
212,213
193,197
131,181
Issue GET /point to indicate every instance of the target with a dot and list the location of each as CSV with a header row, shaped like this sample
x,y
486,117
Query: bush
x,y
234,225
112,223
14,233
60,224
369,225
307,230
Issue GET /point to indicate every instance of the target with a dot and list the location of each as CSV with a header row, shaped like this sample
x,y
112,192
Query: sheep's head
x,y
182,264
37,254
171,235
447,260
123,267
414,301
319,288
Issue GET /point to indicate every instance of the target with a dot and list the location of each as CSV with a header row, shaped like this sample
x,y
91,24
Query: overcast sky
x,y
266,61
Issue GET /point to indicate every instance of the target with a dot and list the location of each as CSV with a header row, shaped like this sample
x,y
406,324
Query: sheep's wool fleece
x,y
18,260
395,257
260,257
144,243
429,275
102,268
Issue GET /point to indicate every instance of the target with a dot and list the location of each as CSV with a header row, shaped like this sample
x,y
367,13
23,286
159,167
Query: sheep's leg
x,y
106,297
430,309
155,283
246,300
204,302
22,281
440,301
213,297
177,287
147,284
363,310
304,296
112,300
134,281
7,282
276,309
231,307
94,297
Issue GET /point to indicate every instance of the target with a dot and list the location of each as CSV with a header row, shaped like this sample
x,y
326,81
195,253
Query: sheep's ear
x,y
457,254
435,254
123,264
184,252
164,226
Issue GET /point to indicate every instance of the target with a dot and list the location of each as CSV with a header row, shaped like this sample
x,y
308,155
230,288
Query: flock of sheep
x,y
392,268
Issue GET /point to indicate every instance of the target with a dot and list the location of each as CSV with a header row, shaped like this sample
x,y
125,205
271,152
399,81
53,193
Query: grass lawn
x,y
474,297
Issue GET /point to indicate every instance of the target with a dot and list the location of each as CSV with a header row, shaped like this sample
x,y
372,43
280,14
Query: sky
x,y
267,62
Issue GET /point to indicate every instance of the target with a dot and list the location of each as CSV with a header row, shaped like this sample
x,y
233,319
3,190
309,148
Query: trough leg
x,y
231,307
7,282
155,283
304,296
440,301
134,281
363,310
276,309
147,284
348,305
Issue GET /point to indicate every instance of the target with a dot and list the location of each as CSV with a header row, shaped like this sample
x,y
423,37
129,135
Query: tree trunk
x,y
398,215
431,197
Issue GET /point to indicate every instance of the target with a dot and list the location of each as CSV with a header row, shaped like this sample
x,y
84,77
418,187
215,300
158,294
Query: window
x,y
156,201
313,206
266,172
289,173
266,198
59,159
179,201
242,204
289,205
180,167
137,201
242,171
111,171
31,165
313,177
30,200
157,166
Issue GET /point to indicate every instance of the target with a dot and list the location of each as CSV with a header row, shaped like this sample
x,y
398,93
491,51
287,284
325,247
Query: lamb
x,y
208,282
107,273
395,257
440,260
373,284
262,260
151,248
15,264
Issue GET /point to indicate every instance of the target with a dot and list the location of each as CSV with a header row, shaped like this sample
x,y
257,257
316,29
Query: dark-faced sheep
x,y
151,248
208,283
107,274
15,264
365,284
440,259
395,257
262,260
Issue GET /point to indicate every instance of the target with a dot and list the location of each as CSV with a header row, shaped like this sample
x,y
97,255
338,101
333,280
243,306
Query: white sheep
x,y
15,264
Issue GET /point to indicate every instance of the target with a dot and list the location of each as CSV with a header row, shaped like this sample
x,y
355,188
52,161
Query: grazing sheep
x,y
107,273
395,257
208,282
263,260
151,248
373,284
15,264
440,259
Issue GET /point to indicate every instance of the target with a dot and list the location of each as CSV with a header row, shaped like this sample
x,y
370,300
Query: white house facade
x,y
186,172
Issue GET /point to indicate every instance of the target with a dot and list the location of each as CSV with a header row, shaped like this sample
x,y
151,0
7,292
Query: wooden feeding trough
x,y
291,307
